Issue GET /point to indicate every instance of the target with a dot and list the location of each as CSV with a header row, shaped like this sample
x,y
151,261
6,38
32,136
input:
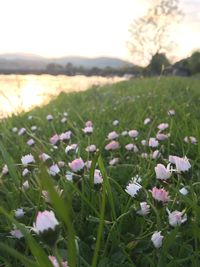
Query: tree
x,y
157,64
150,34
194,62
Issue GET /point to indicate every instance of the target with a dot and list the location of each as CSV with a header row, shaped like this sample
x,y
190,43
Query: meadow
x,y
105,177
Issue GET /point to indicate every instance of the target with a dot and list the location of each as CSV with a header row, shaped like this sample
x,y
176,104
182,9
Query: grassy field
x,y
107,214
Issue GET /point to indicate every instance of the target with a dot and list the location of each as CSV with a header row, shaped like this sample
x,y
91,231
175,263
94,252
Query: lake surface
x,y
22,92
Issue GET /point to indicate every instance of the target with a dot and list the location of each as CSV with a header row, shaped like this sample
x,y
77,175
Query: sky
x,y
55,28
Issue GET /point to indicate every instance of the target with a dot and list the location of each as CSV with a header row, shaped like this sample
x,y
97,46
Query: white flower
x,y
91,148
25,185
144,142
147,121
25,172
183,191
88,130
157,239
21,131
113,135
124,133
19,213
190,140
69,176
113,161
5,170
45,220
171,112
115,122
44,157
71,148
153,142
162,172
27,159
30,142
161,136
163,126
133,188
133,133
176,217
49,117
156,154
144,209
16,233
98,177
14,129
63,120
54,170
182,164
65,136
34,128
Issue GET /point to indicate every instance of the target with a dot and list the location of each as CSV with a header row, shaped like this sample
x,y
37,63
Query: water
x,y
22,92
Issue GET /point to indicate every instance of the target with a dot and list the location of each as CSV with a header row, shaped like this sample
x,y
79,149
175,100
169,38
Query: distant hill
x,y
19,61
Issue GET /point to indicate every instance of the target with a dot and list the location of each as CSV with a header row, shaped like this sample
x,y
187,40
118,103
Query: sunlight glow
x,y
87,28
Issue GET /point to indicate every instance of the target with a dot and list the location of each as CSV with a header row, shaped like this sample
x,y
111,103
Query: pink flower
x,y
91,148
30,142
129,147
65,136
113,161
49,117
44,157
112,145
54,170
133,133
182,164
162,172
98,177
190,140
157,239
88,164
160,194
16,233
153,142
77,165
54,139
45,220
22,131
113,135
71,147
88,124
176,217
163,126
156,154
144,209
162,137
88,130
56,263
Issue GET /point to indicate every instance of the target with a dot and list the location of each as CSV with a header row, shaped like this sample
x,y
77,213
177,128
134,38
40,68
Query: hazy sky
x,y
84,27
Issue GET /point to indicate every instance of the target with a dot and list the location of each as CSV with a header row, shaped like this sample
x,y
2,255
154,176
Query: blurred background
x,y
62,45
